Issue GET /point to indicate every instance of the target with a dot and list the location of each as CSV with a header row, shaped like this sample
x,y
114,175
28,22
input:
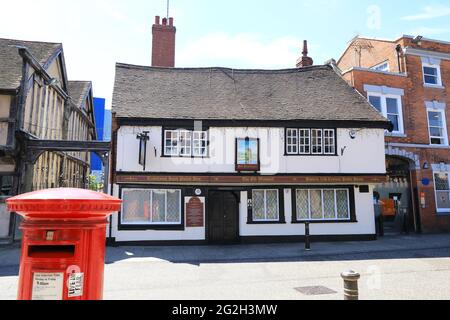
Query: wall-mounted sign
x,y
143,139
426,182
247,155
195,212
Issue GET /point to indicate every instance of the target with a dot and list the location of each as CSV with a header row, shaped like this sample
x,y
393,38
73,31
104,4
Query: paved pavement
x,y
400,267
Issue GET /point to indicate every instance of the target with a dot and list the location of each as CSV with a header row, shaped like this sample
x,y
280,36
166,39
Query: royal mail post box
x,y
63,246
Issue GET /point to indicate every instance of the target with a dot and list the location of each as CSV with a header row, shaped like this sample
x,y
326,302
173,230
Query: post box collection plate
x,y
48,286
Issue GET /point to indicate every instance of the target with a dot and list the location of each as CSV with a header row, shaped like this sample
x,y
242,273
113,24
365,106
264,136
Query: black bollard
x,y
307,237
351,290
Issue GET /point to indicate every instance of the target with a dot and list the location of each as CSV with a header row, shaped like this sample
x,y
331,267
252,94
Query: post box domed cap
x,y
64,203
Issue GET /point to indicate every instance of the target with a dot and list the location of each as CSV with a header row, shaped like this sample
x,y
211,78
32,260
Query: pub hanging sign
x,y
247,155
143,139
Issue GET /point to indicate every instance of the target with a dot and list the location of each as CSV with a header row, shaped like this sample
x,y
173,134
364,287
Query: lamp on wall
x,y
426,165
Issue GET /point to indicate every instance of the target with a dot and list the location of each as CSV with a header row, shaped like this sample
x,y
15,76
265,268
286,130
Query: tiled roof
x,y
11,62
312,93
78,91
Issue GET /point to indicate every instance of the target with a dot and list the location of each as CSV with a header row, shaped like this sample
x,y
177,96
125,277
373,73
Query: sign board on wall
x,y
47,286
195,212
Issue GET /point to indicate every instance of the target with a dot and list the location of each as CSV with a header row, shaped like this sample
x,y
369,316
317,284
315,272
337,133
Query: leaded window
x,y
442,186
266,205
151,207
322,204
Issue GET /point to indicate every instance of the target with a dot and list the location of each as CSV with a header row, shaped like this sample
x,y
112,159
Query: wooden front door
x,y
223,213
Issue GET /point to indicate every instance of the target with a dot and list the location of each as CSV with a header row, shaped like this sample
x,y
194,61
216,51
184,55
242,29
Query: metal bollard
x,y
307,237
351,291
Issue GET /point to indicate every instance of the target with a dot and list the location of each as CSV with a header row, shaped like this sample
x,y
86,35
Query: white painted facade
x,y
362,155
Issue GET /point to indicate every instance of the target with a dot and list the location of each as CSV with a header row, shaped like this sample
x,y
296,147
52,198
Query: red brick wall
x,y
163,46
416,121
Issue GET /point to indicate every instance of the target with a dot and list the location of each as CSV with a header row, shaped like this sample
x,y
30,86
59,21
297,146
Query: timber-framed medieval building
x,y
47,124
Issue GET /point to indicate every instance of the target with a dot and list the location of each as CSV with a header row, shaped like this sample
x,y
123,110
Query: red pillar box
x,y
63,246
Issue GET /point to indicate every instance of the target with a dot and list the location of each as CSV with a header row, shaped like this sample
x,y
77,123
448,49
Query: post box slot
x,y
51,251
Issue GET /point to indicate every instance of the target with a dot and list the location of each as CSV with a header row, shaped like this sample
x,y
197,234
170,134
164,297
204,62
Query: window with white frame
x,y
305,141
329,142
292,141
310,141
391,107
317,141
382,67
200,143
185,143
265,205
432,74
151,207
322,204
442,187
437,127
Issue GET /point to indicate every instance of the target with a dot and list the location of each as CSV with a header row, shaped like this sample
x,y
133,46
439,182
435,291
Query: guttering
x,y
28,56
426,53
375,71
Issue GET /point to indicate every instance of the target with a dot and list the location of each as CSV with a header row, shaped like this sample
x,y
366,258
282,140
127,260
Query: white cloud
x,y
429,12
241,50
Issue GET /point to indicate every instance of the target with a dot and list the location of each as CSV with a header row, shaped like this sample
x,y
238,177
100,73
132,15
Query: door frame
x,y
236,193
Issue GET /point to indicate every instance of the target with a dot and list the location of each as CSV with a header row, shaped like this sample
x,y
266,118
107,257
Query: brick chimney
x,y
304,60
163,47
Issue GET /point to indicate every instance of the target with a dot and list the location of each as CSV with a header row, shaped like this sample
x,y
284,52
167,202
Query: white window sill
x,y
435,86
396,135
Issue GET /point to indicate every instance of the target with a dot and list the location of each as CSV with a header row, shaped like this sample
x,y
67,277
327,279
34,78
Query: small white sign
x,y
48,286
76,283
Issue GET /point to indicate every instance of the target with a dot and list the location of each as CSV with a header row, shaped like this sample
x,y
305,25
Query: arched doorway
x,y
396,197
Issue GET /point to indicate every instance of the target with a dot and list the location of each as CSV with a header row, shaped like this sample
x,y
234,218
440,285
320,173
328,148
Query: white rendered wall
x,y
365,217
189,234
365,154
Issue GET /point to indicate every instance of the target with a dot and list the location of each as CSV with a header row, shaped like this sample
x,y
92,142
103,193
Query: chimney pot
x,y
164,22
304,60
157,20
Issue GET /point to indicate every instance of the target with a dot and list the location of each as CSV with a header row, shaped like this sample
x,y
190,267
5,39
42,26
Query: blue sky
x,y
231,33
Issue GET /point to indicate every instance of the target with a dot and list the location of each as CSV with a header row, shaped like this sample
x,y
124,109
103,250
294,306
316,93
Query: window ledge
x,y
435,86
265,222
325,221
396,135
151,228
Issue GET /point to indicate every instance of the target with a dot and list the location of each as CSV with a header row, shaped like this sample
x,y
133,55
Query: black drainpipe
x,y
399,50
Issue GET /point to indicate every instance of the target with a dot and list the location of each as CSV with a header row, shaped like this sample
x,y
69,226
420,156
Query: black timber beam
x,y
68,146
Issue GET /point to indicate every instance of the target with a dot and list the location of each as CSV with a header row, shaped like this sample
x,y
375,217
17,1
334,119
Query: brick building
x,y
407,80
